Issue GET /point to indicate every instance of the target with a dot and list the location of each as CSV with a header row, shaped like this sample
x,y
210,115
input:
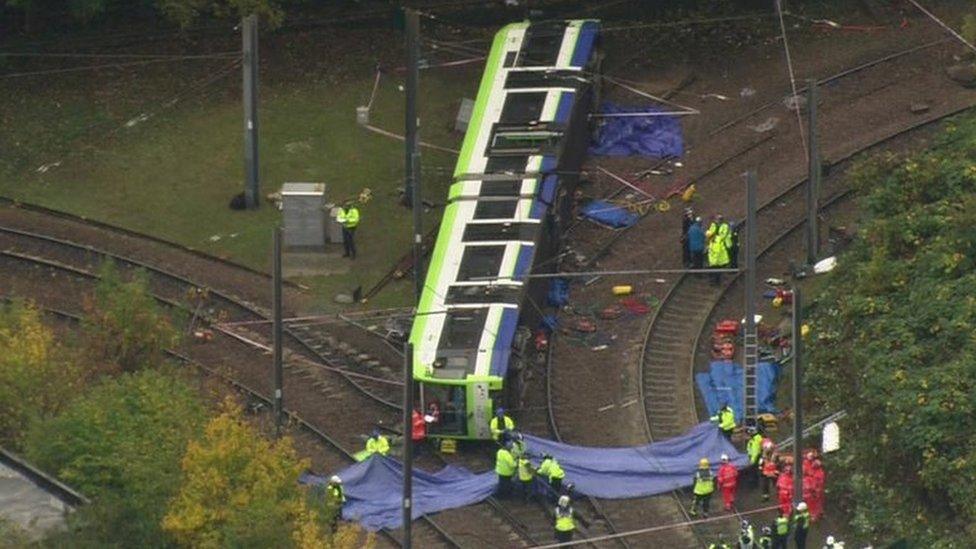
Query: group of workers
x,y
513,465
777,535
718,243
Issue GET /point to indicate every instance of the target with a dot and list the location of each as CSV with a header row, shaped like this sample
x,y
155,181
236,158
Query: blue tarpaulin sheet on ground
x,y
608,214
373,487
558,292
723,383
654,136
767,379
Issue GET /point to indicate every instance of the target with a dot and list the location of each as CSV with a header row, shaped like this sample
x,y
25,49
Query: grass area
x,y
173,174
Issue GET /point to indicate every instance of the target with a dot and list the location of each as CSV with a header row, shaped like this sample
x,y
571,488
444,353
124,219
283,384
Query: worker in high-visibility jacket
x,y
725,418
801,525
550,470
747,536
348,217
768,467
565,521
719,238
781,532
518,443
703,487
335,498
500,423
505,466
765,540
377,444
754,451
526,476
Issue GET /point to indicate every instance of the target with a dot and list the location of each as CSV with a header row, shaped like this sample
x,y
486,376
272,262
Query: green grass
x,y
173,175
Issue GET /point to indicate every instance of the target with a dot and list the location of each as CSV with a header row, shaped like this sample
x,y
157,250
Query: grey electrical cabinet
x,y
304,216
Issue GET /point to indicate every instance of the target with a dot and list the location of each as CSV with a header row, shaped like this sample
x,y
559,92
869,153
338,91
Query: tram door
x,y
448,405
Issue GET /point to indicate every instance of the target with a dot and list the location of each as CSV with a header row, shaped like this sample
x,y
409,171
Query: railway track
x,y
676,332
319,395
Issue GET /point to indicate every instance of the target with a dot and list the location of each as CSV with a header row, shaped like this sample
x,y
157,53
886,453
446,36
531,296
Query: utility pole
x,y
249,34
797,397
750,337
407,443
276,284
813,180
412,195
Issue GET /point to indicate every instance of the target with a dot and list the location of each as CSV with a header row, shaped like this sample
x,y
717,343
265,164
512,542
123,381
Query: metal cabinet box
x,y
305,219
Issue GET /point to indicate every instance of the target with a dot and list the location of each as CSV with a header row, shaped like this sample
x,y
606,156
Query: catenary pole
x,y
412,195
249,34
797,396
407,443
276,296
813,179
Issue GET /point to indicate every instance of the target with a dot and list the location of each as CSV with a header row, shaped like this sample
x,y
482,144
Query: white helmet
x,y
563,501
335,479
802,506
830,540
725,457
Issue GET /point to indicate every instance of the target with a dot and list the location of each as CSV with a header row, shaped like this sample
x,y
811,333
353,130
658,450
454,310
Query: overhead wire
x,y
789,66
91,68
221,55
944,25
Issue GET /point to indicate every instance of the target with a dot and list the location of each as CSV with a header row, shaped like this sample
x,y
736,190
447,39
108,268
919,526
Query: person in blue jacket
x,y
696,244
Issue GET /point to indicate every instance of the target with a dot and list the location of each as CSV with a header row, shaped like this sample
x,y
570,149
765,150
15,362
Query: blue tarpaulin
x,y
767,379
373,487
609,214
723,383
654,136
558,292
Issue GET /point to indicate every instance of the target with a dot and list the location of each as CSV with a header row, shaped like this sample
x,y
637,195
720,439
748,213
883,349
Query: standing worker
x,y
526,476
719,242
754,451
801,525
335,497
704,486
348,217
565,522
768,467
687,220
720,544
505,469
747,536
550,470
781,532
726,420
728,481
819,483
784,486
734,230
518,443
696,244
377,444
500,423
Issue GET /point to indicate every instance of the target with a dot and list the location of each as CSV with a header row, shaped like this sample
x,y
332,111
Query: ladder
x,y
750,350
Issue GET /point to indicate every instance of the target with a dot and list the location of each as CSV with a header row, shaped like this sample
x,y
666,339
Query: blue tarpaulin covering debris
x,y
609,214
373,487
723,383
767,379
654,136
558,292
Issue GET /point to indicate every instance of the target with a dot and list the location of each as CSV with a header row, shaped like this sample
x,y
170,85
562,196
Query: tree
x,y
239,489
894,347
124,326
120,444
186,12
35,379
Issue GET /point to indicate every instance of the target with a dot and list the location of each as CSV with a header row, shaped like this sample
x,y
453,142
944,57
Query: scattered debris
x,y
766,125
825,265
46,167
918,108
137,120
214,238
298,146
795,102
623,289
718,96
343,298
747,92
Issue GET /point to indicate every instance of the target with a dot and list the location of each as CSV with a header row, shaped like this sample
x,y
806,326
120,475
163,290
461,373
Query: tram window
x,y
479,261
462,329
495,209
449,400
512,164
523,107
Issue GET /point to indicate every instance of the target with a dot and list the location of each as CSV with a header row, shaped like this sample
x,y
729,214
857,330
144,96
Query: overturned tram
x,y
511,197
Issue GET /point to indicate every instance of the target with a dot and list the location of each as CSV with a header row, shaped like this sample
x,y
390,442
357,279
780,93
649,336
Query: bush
x,y
124,326
894,347
120,444
239,489
35,379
